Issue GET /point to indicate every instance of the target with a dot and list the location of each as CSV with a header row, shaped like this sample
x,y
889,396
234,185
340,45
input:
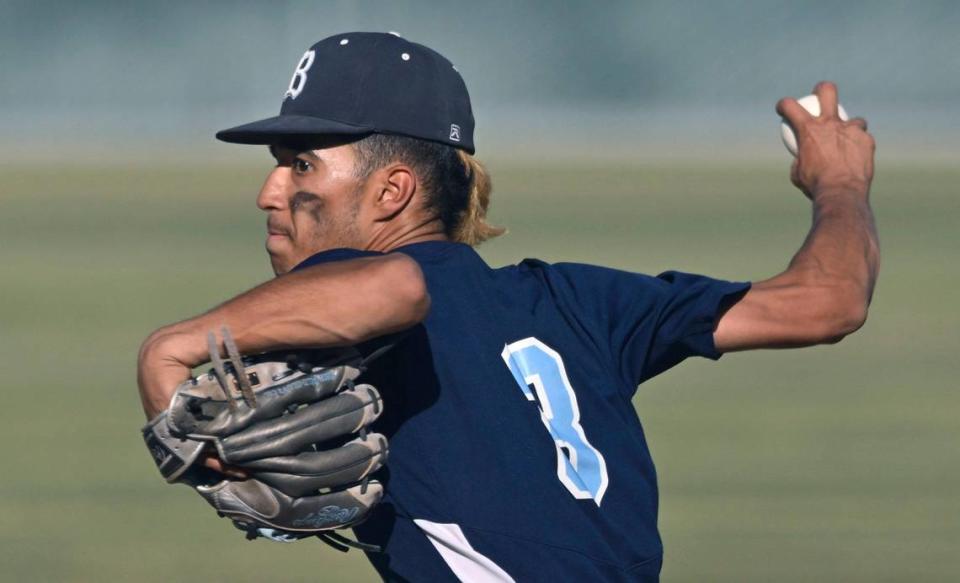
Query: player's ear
x,y
397,184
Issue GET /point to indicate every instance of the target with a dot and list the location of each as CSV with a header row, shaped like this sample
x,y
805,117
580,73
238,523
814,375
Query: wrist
x,y
183,342
851,189
163,363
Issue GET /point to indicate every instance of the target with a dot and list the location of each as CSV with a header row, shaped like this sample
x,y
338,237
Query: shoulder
x,y
591,279
434,252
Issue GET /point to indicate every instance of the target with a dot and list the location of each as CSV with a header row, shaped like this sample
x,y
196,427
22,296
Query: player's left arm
x,y
826,290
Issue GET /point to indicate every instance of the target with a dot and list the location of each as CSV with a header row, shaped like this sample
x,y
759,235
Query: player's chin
x,y
279,268
279,258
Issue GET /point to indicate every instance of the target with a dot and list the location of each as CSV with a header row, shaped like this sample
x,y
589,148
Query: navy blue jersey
x,y
515,451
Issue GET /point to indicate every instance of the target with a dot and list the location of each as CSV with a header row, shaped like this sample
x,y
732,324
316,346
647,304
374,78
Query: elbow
x,y
415,294
151,346
163,344
840,312
853,319
408,289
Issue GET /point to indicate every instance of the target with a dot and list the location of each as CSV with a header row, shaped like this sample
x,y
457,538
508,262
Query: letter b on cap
x,y
299,78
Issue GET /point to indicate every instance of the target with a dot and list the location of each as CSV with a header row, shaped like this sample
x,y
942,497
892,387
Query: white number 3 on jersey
x,y
539,371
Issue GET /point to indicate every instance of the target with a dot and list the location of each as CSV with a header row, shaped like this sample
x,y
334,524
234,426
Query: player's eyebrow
x,y
305,151
275,150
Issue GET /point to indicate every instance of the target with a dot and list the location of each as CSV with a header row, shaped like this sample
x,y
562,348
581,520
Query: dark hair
x,y
456,185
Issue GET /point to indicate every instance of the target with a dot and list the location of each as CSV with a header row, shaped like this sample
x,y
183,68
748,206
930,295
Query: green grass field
x,y
829,464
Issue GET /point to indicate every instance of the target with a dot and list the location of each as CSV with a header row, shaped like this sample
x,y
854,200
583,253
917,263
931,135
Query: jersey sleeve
x,y
648,324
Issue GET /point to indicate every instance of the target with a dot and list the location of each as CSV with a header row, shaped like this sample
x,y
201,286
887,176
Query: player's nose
x,y
274,193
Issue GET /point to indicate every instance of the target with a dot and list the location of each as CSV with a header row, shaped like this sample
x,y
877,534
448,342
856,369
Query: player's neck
x,y
393,236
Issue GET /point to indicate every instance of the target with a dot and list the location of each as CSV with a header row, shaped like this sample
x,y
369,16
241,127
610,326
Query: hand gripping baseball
x,y
834,154
287,419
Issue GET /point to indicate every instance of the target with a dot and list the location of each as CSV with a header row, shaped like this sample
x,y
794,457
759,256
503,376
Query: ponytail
x,y
472,227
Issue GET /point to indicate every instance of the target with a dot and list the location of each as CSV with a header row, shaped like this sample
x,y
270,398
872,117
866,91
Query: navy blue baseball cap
x,y
368,82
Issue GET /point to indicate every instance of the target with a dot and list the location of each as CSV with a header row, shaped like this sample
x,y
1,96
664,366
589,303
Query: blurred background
x,y
639,135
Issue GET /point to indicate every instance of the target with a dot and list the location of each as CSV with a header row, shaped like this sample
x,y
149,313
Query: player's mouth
x,y
274,230
278,238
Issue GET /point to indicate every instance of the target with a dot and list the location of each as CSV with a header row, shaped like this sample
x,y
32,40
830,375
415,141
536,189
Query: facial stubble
x,y
344,228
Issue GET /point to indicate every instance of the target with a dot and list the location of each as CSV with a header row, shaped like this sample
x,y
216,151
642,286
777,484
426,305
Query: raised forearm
x,y
824,293
841,251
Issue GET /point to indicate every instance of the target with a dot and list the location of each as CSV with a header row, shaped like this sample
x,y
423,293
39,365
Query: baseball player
x,y
515,452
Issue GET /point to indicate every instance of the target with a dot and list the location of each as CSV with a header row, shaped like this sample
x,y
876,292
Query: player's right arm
x,y
824,293
340,303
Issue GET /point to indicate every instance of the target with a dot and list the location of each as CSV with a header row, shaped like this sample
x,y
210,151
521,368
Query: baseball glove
x,y
295,422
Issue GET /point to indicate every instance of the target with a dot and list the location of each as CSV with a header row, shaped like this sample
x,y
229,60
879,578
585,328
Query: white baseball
x,y
812,104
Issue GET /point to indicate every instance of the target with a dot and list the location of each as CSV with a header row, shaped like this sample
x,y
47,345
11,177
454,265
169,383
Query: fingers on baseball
x,y
859,122
826,93
794,113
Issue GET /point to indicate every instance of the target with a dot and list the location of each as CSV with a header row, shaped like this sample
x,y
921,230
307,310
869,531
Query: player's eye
x,y
301,166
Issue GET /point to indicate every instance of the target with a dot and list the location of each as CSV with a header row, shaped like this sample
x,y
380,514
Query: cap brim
x,y
276,129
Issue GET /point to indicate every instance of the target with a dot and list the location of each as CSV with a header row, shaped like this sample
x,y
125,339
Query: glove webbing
x,y
238,368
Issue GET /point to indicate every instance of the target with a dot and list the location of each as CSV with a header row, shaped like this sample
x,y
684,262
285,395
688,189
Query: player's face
x,y
313,200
